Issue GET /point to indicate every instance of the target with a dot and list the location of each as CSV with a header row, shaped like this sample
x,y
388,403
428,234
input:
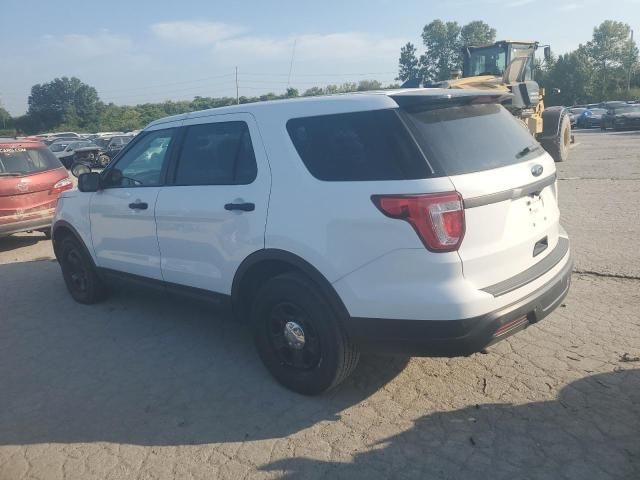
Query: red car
x,y
31,179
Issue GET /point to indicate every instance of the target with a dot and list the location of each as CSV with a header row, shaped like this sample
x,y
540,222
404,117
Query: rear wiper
x,y
10,174
528,150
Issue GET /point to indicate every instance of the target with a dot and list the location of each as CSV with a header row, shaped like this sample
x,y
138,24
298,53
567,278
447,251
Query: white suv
x,y
420,221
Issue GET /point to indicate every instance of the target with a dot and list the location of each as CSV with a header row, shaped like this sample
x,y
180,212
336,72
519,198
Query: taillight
x,y
61,186
437,218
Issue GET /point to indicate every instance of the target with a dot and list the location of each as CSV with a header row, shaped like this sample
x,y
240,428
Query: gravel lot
x,y
153,386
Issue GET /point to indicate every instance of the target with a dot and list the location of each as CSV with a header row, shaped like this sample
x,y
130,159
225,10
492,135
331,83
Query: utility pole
x,y
630,65
293,52
237,90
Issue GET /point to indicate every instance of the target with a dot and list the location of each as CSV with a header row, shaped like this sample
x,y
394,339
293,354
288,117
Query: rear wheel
x,y
558,146
80,276
299,337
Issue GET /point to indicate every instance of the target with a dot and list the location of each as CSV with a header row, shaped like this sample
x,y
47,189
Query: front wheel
x,y
80,276
299,337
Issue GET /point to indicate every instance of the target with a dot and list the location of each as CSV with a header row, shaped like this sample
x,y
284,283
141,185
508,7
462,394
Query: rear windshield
x,y
358,146
472,138
19,161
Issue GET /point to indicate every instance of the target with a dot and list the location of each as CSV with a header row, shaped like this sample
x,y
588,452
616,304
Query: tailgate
x,y
507,182
512,220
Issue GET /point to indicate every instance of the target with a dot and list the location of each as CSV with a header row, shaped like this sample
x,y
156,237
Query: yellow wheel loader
x,y
508,66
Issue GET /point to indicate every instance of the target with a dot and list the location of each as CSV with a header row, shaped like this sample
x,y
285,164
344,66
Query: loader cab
x,y
511,60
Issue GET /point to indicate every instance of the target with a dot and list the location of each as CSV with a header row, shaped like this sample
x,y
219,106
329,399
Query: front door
x,y
214,213
123,227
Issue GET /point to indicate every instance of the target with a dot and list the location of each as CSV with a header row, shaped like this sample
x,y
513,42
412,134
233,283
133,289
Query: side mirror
x,y
89,182
547,53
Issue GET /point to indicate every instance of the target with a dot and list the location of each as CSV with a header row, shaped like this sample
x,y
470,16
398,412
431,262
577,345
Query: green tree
x,y
442,42
572,74
364,85
614,54
292,92
5,119
477,33
65,101
408,64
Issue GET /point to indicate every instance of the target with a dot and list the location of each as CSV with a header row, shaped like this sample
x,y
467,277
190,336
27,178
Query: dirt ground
x,y
153,386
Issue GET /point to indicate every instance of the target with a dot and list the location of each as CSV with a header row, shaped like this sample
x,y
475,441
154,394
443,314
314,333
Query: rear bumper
x,y
451,338
38,223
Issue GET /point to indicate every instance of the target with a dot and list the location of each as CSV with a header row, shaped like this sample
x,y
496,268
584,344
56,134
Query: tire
x,y
80,276
558,146
323,359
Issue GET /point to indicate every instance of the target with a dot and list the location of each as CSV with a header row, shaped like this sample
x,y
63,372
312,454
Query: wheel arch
x,y
262,265
62,229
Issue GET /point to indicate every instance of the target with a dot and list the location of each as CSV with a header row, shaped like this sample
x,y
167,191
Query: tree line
x,y
603,68
68,104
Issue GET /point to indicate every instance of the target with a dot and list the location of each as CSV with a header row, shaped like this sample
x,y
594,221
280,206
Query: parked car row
x,y
95,150
617,115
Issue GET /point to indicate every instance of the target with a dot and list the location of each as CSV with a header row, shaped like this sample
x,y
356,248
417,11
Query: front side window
x,y
488,61
217,154
142,165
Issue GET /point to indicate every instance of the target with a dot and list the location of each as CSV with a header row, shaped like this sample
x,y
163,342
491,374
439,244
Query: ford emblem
x,y
537,170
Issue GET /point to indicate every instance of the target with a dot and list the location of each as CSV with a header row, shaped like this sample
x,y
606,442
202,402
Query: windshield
x,y
472,138
487,61
21,160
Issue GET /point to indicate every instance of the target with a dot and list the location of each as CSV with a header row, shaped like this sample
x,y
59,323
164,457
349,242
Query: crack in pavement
x,y
606,275
600,178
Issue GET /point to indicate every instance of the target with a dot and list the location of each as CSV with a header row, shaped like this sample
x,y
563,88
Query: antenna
x,y
293,52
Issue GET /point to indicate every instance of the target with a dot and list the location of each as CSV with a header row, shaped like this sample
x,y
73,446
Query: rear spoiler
x,y
439,98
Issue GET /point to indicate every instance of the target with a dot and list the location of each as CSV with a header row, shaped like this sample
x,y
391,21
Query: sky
x,y
139,51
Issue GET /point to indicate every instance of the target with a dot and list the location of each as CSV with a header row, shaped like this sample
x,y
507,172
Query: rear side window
x,y
217,154
20,160
359,146
472,138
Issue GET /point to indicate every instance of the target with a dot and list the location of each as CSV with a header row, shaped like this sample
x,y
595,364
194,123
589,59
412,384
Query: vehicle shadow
x,y
143,368
591,431
12,242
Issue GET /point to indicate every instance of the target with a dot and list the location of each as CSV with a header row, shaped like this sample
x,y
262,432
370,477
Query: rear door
x,y
123,227
508,184
214,214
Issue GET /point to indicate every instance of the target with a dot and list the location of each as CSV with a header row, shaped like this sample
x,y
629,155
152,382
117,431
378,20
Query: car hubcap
x,y
294,335
293,338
